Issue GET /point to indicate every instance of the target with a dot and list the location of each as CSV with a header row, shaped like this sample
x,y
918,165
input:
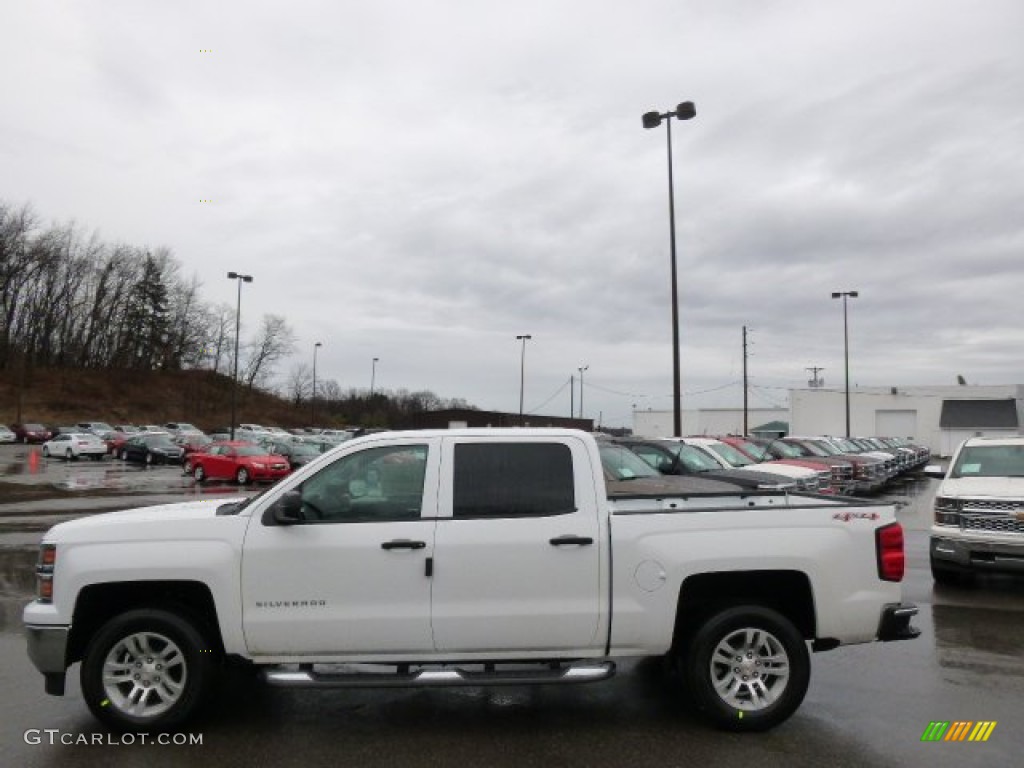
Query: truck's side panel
x,y
521,561
656,553
353,574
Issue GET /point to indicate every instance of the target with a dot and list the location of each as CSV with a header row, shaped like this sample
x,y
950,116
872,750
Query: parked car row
x,y
828,465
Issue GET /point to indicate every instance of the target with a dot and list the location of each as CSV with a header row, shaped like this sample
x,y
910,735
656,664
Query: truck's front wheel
x,y
747,668
147,670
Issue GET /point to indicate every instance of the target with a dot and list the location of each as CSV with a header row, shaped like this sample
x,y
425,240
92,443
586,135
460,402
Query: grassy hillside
x,y
65,396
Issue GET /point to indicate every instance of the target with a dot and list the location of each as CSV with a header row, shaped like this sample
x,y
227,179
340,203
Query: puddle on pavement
x,y
28,474
17,585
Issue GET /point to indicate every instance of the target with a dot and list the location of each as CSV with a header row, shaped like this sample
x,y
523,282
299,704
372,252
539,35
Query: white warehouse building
x,y
938,417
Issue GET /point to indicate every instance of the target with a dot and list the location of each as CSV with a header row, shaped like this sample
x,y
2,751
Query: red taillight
x,y
44,572
889,550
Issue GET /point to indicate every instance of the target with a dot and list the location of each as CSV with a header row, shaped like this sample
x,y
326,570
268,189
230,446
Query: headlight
x,y
947,511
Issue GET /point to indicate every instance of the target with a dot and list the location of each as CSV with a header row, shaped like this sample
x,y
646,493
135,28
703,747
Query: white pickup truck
x,y
463,557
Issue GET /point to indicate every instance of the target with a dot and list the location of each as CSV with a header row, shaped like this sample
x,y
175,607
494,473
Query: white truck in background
x,y
978,526
463,557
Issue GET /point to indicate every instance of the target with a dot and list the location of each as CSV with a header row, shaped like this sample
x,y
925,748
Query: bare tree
x,y
299,384
16,272
274,341
328,391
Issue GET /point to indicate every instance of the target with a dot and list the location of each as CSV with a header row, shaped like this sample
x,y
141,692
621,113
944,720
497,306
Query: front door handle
x,y
563,541
403,544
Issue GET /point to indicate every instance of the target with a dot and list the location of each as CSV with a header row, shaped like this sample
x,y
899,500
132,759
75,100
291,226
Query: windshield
x,y
845,445
759,452
696,459
790,451
990,461
622,464
824,448
731,455
250,450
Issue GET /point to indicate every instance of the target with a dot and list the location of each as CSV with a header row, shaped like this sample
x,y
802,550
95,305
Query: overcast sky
x,y
423,180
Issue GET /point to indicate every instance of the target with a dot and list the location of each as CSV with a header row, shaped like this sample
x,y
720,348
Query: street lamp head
x,y
686,111
524,336
852,294
652,119
318,344
836,294
237,276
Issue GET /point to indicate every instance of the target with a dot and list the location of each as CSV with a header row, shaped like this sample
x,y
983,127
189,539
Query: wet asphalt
x,y
867,705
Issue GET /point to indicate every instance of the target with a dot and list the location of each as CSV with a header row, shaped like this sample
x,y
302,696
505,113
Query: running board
x,y
307,677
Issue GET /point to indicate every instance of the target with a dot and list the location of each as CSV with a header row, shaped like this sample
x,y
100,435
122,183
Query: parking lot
x,y
867,705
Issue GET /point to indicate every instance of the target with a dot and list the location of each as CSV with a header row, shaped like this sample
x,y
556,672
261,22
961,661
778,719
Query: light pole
x,y
846,349
522,373
312,399
581,369
373,375
684,111
240,278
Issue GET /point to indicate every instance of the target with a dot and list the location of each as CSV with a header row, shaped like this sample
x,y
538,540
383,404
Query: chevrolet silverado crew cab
x,y
979,510
463,557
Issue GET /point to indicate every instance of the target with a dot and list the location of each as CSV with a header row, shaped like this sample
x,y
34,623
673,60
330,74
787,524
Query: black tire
x,y
746,667
69,455
149,459
124,455
46,452
152,661
199,473
186,467
242,476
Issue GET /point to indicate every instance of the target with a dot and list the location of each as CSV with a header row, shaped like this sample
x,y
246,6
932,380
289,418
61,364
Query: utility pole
x,y
815,383
572,397
581,369
746,430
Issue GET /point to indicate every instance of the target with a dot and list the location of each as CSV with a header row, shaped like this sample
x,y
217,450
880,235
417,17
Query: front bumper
x,y
268,475
972,554
895,622
47,649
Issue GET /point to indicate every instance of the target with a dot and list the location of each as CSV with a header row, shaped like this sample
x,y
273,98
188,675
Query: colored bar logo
x,y
959,730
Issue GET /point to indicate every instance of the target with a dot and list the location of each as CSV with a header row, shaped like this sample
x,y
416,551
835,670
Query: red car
x,y
31,433
239,461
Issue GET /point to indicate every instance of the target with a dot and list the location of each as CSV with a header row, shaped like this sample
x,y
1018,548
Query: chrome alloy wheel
x,y
144,674
750,669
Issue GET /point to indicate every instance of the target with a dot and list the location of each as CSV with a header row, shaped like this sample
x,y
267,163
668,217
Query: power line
x,y
533,411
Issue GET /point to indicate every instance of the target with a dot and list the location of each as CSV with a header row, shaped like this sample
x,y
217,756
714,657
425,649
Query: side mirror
x,y
288,509
935,470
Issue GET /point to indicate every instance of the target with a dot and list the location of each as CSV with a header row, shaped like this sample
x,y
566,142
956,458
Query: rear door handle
x,y
563,541
403,544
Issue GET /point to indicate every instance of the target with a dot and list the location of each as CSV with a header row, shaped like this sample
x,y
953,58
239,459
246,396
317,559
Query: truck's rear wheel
x,y
147,670
747,668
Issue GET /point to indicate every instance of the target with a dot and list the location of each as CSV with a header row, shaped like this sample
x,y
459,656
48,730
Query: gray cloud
x,y
423,181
